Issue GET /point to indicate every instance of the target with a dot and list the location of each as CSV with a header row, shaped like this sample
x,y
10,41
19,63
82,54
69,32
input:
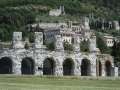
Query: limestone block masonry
x,y
40,61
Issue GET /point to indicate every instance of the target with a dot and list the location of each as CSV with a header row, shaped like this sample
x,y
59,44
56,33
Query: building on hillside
x,y
49,33
57,12
109,40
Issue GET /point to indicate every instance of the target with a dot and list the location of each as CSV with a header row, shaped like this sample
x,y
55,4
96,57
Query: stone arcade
x,y
39,61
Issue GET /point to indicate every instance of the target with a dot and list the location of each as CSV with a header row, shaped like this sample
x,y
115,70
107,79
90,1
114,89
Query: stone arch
x,y
68,67
27,66
99,68
49,66
108,68
6,65
85,67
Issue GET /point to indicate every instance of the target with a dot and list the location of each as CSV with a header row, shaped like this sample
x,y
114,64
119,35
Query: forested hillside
x,y
15,18
103,8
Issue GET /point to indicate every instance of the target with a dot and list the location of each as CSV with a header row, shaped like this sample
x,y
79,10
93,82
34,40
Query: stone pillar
x,y
59,55
116,71
39,58
59,70
103,70
17,40
59,58
38,53
38,69
92,48
93,68
77,68
17,68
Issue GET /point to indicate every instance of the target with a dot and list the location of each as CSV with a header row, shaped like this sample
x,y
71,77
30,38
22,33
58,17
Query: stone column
x,y
17,68
93,69
58,64
39,70
39,58
59,55
77,68
116,71
59,70
93,64
103,70
38,53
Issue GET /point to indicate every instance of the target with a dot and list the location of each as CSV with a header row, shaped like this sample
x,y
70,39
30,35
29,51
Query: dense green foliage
x,y
116,53
99,7
14,20
67,46
50,46
84,46
101,44
16,14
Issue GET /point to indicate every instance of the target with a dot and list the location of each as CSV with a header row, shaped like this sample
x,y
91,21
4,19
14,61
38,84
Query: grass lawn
x,y
55,83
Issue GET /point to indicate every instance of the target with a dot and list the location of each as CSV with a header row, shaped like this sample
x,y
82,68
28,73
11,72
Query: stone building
x,y
39,61
109,40
57,12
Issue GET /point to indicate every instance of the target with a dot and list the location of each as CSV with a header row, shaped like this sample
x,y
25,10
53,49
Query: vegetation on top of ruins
x,y
84,46
101,44
116,53
68,47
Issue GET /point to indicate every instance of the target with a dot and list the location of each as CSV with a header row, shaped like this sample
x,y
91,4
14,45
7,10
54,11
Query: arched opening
x,y
108,68
85,67
68,67
28,66
48,66
5,65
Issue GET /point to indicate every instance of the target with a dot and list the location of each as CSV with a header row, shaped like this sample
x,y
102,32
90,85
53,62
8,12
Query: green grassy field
x,y
55,83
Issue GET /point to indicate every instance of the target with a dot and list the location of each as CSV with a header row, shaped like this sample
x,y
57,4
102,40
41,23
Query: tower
x,y
92,45
76,44
86,23
38,39
17,40
58,43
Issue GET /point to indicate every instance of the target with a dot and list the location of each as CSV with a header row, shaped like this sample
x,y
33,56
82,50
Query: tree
x,y
116,52
67,46
101,44
50,46
84,46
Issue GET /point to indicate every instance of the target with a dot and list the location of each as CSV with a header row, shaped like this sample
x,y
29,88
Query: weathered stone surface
x,y
38,54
